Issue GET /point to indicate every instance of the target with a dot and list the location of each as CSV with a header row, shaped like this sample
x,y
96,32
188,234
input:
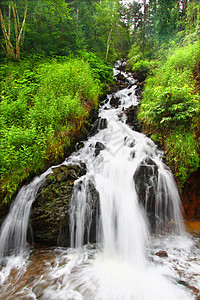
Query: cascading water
x,y
126,199
13,234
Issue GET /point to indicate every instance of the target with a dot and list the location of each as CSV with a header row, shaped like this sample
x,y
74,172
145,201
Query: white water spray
x,y
127,194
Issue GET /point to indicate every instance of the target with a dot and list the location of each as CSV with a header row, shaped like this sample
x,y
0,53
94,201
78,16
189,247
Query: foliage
x,y
41,104
171,109
182,154
111,32
58,27
101,70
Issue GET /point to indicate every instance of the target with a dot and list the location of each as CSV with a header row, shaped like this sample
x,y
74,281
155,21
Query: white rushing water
x,y
126,208
13,232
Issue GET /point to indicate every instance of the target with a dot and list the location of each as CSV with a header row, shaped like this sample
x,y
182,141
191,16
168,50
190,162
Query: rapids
x,y
136,215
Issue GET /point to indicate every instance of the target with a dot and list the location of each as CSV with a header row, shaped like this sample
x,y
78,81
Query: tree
x,y
109,28
19,27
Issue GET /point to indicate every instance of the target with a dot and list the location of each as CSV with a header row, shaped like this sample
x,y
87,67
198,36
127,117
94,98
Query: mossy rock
x,y
49,215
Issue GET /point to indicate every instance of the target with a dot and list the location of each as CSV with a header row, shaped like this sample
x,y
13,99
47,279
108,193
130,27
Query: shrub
x,y
39,107
182,154
171,110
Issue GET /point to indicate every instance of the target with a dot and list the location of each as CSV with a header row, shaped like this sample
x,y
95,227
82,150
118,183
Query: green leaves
x,y
182,153
171,109
52,100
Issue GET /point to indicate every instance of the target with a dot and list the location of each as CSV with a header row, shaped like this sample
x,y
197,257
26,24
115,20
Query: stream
x,y
129,242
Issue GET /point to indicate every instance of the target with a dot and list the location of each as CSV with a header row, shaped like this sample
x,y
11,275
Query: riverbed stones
x,y
49,215
162,253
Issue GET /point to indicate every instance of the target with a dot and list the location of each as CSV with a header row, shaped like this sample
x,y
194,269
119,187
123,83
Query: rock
x,y
30,279
93,194
146,177
90,211
38,291
49,215
79,145
131,114
114,101
101,123
120,77
191,197
129,142
162,253
98,147
4,209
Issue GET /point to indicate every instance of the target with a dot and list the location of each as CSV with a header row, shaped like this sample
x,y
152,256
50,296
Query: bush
x,y
182,154
171,109
39,107
102,70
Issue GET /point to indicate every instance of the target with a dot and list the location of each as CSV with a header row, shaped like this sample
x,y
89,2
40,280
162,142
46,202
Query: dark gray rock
x,y
114,101
98,147
100,124
49,215
146,178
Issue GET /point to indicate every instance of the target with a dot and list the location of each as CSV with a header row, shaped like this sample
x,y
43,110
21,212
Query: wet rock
x,y
146,178
49,215
101,123
131,114
162,253
4,209
38,291
98,147
129,142
122,86
191,197
79,145
114,101
141,75
120,77
90,211
94,197
30,279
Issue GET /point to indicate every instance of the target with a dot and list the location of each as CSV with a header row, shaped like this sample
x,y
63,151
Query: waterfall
x,y
127,197
13,234
137,191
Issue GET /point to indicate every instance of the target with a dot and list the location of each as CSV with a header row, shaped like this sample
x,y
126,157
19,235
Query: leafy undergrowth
x,y
170,110
43,106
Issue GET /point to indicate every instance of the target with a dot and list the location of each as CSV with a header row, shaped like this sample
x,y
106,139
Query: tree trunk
x,y
144,27
9,49
109,41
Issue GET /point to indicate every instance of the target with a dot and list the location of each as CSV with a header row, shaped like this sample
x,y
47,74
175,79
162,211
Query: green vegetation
x,y
170,107
50,79
56,58
171,110
41,105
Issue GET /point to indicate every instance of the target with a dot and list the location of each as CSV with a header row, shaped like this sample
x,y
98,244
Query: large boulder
x,y
49,215
146,178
